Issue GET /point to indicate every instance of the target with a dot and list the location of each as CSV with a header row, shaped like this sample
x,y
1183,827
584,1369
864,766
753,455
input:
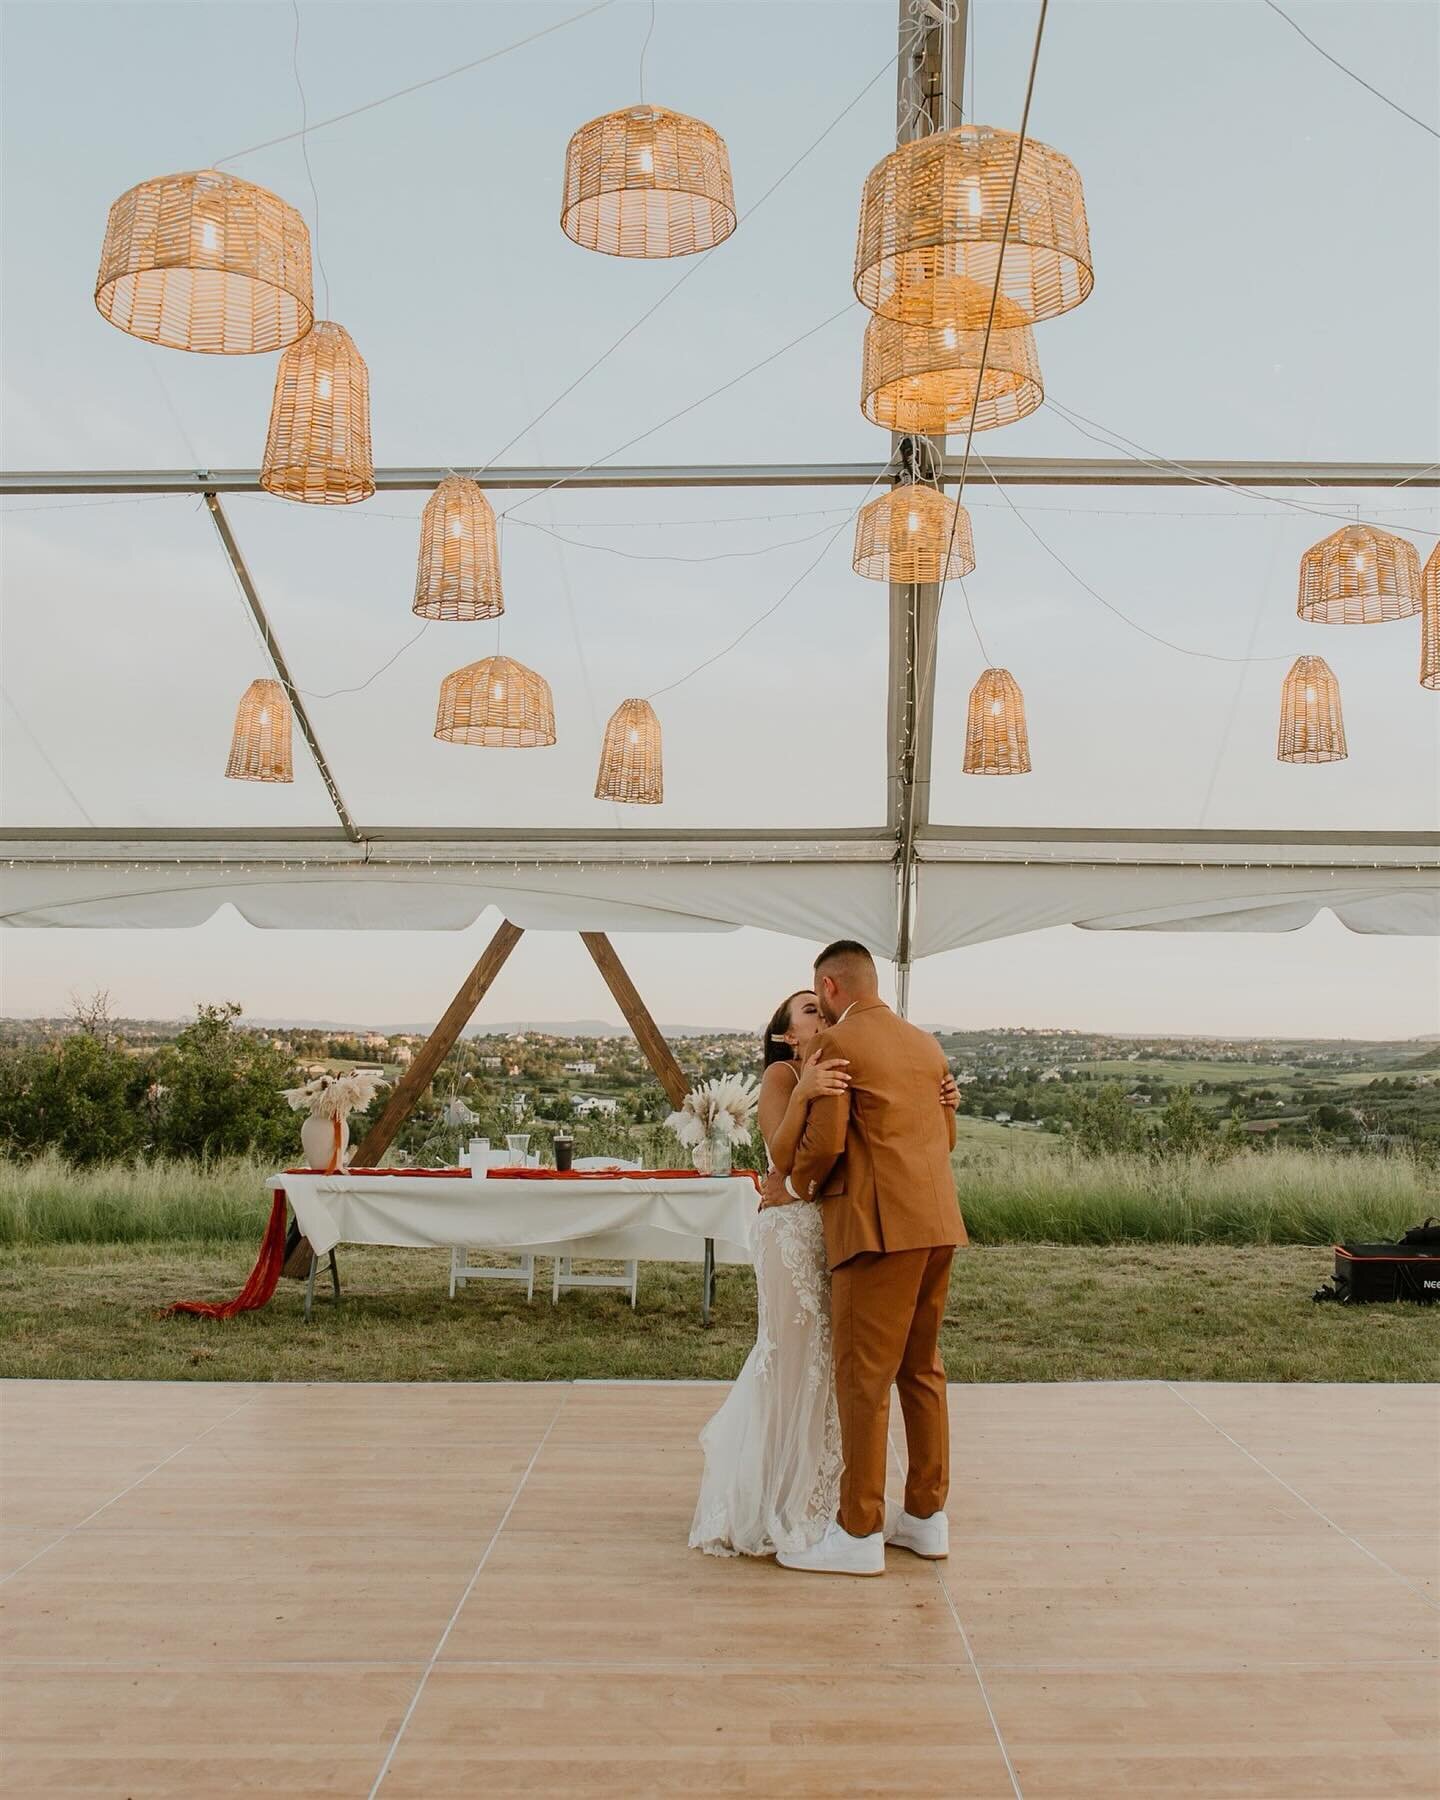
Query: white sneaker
x,y
838,1553
929,1538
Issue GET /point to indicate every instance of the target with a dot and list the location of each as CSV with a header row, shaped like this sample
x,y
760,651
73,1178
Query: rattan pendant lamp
x,y
1430,621
921,378
648,182
496,702
1359,575
915,533
459,572
317,449
631,767
997,741
932,216
205,261
1312,726
260,746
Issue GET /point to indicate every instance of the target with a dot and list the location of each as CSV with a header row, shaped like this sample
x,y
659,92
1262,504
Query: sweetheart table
x,y
659,1216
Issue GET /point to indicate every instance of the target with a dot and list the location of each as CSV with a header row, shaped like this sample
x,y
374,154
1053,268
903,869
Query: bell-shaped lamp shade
x,y
631,767
913,534
1312,726
647,182
997,741
205,261
458,577
932,220
317,449
497,702
1359,575
1430,621
260,748
922,378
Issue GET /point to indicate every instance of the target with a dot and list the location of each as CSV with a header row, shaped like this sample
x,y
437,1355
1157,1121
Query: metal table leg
x,y
707,1282
310,1287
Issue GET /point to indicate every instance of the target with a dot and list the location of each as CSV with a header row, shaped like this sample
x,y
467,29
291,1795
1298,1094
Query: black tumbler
x,y
564,1153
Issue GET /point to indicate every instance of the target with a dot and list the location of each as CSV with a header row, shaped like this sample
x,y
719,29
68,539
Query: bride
x,y
772,1452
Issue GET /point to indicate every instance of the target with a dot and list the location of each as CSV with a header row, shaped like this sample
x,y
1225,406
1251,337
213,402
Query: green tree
x,y
1184,1128
221,1091
1105,1125
81,1096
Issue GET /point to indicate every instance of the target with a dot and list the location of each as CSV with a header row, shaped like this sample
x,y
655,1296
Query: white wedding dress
x,y
772,1452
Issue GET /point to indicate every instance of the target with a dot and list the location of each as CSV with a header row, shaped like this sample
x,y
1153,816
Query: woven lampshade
x,y
1430,621
1359,575
647,182
318,446
459,572
260,744
205,261
497,702
907,535
631,768
1312,727
932,215
996,739
922,378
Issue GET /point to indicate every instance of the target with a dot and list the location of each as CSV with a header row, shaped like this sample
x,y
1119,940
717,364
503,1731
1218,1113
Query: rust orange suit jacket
x,y
878,1155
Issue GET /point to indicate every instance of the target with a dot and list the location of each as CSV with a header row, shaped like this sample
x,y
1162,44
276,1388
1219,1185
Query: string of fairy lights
x,y
970,237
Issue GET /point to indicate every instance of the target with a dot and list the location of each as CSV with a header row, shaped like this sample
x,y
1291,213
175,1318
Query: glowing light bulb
x,y
996,708
1360,563
634,735
913,522
1310,696
974,201
646,159
264,715
498,691
947,337
456,527
322,387
209,236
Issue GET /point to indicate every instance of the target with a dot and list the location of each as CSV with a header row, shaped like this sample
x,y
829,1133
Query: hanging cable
x,y
305,153
649,33
44,756
415,86
1344,69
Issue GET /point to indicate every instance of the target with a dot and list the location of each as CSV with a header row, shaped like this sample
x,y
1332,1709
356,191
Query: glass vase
x,y
718,1153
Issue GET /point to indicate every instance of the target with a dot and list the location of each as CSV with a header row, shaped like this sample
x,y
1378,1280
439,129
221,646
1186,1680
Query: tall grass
x,y
1278,1197
1043,1196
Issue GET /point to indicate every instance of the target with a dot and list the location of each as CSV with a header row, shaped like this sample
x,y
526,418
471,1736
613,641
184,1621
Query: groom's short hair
x,y
847,961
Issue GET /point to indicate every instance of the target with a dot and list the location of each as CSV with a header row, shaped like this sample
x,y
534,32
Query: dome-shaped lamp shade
x,y
996,739
932,216
922,378
1312,727
647,182
913,533
631,769
459,573
1359,575
1430,621
317,449
260,744
497,702
205,261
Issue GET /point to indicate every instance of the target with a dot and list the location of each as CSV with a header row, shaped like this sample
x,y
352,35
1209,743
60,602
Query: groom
x,y
877,1159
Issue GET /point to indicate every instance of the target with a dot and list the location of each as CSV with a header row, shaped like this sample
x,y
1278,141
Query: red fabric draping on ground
x,y
260,1287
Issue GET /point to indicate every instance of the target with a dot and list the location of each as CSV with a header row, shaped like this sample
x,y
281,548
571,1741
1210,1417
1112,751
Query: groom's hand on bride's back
x,y
773,1191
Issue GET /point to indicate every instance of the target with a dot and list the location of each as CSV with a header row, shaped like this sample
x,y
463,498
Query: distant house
x,y
375,1040
579,1068
1001,1118
588,1106
403,1055
492,1063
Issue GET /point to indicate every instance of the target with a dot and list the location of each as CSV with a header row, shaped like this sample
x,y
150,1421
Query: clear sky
x,y
1267,285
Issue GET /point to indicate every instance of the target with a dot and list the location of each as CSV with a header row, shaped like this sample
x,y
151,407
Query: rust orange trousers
x,y
886,1309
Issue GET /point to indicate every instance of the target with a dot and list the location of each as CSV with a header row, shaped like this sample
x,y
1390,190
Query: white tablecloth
x,y
629,1217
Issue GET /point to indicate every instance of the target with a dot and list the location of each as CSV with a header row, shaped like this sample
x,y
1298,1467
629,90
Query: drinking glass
x,y
518,1144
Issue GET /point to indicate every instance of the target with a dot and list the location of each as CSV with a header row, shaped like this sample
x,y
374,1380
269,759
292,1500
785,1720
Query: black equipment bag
x,y
1406,1270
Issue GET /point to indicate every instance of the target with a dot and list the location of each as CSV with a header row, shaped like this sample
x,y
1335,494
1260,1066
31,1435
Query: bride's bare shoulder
x,y
780,1077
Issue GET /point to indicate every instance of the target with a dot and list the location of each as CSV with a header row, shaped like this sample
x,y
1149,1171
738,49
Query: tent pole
x,y
637,1016
930,82
257,612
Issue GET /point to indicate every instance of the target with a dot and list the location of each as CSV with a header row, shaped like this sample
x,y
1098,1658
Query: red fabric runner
x,y
260,1287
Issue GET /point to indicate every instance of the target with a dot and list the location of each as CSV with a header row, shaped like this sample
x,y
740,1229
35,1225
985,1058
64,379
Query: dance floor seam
x,y
419,1591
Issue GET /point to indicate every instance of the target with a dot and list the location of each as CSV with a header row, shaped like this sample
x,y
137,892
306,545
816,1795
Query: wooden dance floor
x,y
484,1590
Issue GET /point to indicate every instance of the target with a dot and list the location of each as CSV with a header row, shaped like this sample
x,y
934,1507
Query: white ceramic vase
x,y
317,1140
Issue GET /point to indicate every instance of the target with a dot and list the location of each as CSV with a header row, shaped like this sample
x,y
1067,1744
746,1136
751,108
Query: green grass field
x,y
1016,1313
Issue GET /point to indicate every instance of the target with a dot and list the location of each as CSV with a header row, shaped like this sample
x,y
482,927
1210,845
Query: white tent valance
x,y
971,887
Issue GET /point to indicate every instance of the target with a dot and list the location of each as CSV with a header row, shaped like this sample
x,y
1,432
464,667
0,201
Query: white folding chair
x,y
564,1279
461,1271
